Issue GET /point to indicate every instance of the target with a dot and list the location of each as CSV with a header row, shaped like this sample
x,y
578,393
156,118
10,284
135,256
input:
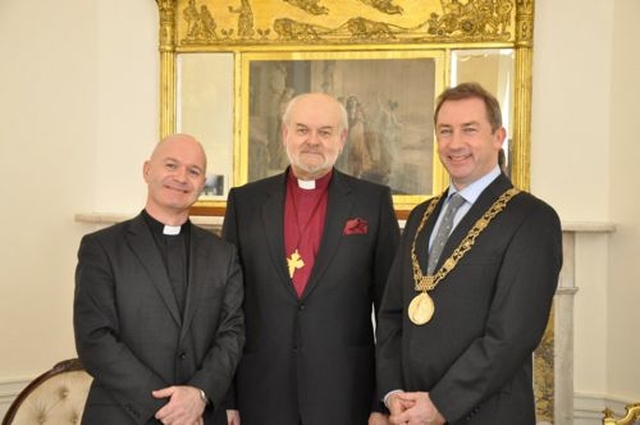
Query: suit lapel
x,y
143,245
338,210
273,225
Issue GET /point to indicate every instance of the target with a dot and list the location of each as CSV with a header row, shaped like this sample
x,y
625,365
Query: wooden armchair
x,y
55,397
632,416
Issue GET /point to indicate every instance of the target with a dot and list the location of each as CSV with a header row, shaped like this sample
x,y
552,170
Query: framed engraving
x,y
389,98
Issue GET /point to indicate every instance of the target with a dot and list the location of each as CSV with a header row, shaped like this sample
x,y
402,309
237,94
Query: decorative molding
x,y
255,23
9,390
591,406
588,226
101,218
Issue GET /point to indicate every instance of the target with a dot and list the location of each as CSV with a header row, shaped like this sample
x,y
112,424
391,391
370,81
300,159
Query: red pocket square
x,y
356,226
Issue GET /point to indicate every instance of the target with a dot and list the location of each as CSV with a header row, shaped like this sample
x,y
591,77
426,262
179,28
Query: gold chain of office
x,y
428,282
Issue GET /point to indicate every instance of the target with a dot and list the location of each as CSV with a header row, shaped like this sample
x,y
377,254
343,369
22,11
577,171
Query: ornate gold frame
x,y
631,416
298,26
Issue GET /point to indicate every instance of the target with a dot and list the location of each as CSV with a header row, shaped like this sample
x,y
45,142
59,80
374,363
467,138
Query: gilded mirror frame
x,y
299,29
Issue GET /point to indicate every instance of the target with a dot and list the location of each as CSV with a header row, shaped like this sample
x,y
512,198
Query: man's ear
x,y
145,170
500,135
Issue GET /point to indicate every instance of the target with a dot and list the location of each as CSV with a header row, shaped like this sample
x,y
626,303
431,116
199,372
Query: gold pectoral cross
x,y
294,262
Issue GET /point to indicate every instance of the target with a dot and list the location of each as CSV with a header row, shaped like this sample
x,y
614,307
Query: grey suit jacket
x,y
129,334
474,356
311,358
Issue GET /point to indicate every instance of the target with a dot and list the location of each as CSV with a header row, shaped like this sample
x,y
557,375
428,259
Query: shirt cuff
x,y
203,397
389,394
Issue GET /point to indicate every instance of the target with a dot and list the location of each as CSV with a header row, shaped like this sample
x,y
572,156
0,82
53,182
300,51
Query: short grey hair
x,y
344,120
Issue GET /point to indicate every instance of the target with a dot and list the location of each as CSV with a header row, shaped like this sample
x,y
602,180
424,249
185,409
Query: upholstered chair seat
x,y
56,397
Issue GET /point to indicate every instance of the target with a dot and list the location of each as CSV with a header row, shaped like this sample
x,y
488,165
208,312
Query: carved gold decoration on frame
x,y
336,22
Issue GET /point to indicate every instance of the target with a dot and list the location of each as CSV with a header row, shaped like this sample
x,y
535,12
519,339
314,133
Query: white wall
x,y
79,114
623,287
48,117
584,162
570,154
571,97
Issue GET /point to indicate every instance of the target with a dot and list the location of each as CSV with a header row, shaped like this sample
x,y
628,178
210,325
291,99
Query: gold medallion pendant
x,y
421,309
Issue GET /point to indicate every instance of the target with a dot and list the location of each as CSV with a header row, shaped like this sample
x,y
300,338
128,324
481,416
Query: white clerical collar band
x,y
306,184
171,230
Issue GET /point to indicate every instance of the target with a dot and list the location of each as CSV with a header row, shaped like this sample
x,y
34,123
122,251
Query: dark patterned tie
x,y
443,231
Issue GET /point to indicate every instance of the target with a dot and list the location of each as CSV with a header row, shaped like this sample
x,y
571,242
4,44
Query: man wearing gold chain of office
x,y
469,293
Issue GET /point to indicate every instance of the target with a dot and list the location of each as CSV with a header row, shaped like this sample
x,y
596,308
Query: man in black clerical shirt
x,y
157,311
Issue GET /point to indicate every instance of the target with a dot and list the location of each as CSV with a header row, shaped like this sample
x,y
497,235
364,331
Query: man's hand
x,y
185,406
414,408
377,418
397,404
233,417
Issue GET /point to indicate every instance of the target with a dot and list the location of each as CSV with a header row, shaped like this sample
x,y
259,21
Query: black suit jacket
x,y
474,356
130,335
310,358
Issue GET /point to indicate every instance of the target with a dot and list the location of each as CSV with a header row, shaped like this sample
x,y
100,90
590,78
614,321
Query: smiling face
x,y
175,176
313,134
467,146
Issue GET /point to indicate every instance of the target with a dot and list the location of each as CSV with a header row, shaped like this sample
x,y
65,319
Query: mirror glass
x,y
494,69
205,105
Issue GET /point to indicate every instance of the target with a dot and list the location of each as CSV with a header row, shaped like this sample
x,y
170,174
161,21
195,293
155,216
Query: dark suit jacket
x,y
474,356
129,333
310,358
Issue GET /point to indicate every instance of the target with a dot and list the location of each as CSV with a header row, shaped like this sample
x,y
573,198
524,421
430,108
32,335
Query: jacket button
x,y
182,356
301,307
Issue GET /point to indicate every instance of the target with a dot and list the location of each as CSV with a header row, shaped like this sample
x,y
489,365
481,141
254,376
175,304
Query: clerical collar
x,y
306,184
161,228
320,183
171,230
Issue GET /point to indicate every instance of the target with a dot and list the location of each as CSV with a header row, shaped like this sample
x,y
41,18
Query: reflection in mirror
x,y
494,69
205,109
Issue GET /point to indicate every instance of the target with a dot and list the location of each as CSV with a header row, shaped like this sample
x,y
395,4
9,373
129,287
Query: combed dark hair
x,y
468,91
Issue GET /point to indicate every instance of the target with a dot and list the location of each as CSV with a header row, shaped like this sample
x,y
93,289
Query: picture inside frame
x,y
389,104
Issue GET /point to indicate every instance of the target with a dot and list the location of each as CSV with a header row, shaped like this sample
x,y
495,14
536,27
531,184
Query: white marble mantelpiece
x,y
563,318
215,222
563,326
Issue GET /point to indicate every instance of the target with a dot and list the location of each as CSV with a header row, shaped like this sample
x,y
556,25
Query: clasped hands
x,y
185,406
413,408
